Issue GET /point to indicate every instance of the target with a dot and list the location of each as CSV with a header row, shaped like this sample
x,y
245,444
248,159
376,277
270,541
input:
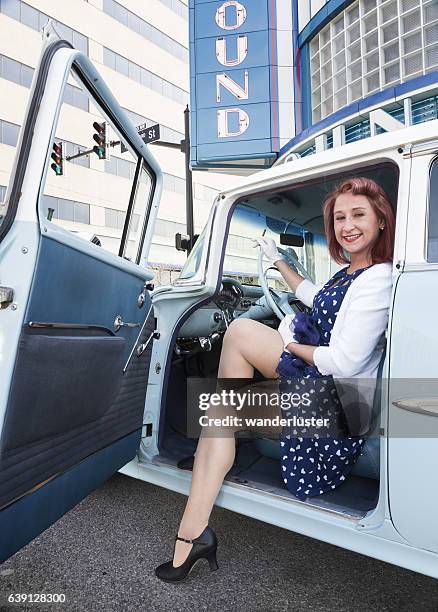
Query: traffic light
x,y
58,159
100,138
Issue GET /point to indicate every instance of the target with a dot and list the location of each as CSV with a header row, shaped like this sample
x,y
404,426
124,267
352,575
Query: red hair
x,y
383,248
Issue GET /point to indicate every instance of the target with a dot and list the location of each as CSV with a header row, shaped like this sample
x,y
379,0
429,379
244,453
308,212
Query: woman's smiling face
x,y
356,224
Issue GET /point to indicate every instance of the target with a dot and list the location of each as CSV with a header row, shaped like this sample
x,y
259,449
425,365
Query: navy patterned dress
x,y
316,460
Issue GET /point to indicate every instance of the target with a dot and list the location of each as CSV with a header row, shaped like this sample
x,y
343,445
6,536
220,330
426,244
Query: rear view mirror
x,y
291,240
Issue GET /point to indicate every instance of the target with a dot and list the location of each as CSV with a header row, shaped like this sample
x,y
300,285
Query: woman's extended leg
x,y
247,344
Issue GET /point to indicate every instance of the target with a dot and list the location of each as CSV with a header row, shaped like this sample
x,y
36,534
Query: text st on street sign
x,y
147,134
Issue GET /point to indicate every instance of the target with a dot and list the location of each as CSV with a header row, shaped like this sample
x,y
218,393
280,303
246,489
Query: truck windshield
x,y
241,255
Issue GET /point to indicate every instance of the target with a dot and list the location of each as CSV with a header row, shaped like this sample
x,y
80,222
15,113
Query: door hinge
x,y
6,296
406,151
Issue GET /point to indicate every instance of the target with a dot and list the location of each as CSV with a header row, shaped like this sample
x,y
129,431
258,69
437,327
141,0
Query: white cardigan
x,y
360,322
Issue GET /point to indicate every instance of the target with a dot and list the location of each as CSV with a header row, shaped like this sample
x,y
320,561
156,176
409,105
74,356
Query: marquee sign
x,y
241,81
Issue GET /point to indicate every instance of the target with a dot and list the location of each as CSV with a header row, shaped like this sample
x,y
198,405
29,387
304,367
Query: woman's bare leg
x,y
247,344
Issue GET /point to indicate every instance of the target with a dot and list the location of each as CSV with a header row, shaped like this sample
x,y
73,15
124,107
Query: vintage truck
x,y
95,362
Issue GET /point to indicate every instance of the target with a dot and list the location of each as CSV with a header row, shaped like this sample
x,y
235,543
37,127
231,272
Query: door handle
x,y
6,296
422,405
118,323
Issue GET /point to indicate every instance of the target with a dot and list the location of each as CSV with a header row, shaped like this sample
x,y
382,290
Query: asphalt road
x,y
101,555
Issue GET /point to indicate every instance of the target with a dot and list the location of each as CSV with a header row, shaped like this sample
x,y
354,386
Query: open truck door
x,y
76,320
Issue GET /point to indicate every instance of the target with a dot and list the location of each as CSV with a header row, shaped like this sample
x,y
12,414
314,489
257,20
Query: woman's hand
x,y
286,331
269,248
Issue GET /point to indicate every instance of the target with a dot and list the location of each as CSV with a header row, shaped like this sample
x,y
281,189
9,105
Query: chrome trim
x,y
420,266
48,325
142,347
119,323
424,148
137,339
427,215
158,462
422,405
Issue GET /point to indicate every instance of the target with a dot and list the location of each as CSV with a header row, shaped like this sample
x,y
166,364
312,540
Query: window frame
x,y
91,81
433,164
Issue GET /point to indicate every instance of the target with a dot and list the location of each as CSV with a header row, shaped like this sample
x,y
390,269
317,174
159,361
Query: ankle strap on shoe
x,y
184,540
194,541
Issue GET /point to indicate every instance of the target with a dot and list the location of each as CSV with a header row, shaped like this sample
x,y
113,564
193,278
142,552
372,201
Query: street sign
x,y
151,133
147,134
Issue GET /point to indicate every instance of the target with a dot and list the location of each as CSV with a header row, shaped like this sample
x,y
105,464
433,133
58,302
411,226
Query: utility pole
x,y
189,180
185,243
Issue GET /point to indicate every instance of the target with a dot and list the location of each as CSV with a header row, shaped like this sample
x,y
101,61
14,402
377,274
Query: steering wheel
x,y
280,305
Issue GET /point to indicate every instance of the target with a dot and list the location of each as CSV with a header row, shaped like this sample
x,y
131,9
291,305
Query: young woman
x,y
359,224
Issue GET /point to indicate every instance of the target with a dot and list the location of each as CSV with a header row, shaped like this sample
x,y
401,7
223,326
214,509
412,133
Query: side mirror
x,y
291,240
183,242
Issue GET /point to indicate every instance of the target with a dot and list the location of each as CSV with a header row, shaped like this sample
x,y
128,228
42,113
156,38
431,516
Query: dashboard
x,y
233,300
207,325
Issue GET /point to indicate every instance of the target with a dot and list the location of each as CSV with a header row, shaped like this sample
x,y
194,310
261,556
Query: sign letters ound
x,y
224,80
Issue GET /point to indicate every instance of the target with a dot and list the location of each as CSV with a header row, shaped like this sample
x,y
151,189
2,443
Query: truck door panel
x,y
68,387
73,405
413,385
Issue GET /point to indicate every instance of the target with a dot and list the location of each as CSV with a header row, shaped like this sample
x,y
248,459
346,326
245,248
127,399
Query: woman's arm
x,y
292,278
304,289
305,351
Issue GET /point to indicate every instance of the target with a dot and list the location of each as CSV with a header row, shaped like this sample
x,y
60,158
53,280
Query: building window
x,y
71,148
174,183
145,29
202,192
144,77
116,219
126,169
75,97
31,17
14,71
177,7
66,210
9,133
168,229
239,243
371,46
120,167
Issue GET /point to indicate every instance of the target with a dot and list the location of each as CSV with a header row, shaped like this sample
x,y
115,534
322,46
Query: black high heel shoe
x,y
204,547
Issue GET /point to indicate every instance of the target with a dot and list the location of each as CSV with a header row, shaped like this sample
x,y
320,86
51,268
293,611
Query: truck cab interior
x,y
294,210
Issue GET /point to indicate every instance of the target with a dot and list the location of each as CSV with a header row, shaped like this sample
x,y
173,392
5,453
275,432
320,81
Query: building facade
x,y
360,57
357,67
141,50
